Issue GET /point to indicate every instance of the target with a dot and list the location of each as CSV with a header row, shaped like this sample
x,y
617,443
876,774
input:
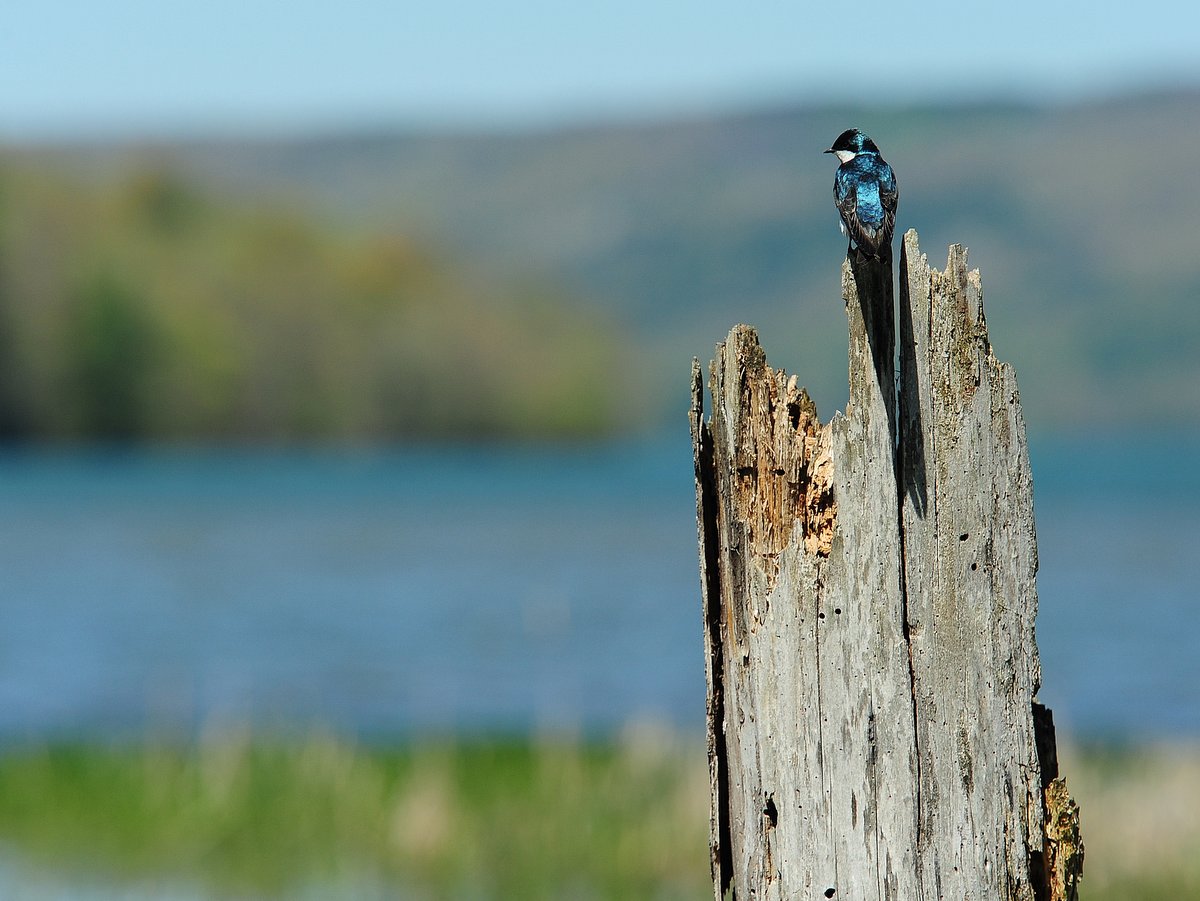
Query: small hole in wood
x,y
974,566
770,811
837,611
820,616
830,892
964,536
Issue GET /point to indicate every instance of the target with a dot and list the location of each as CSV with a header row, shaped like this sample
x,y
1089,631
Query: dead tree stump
x,y
869,603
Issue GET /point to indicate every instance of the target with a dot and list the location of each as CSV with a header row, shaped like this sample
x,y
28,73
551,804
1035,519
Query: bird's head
x,y
850,143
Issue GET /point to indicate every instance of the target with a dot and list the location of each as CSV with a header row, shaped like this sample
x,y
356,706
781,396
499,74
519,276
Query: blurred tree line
x,y
144,309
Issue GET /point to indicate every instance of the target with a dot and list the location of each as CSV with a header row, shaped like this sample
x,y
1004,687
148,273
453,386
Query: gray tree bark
x,y
869,601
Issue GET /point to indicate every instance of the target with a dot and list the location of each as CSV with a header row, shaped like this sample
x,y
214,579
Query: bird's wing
x,y
845,197
889,197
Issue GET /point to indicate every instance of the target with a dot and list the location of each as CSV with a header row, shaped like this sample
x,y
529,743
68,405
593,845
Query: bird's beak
x,y
830,150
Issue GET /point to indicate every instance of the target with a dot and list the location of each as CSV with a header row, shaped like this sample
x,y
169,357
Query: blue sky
x,y
149,66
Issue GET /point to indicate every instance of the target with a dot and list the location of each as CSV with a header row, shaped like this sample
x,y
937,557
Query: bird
x,y
865,192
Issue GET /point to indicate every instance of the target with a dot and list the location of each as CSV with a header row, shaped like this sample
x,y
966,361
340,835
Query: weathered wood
x,y
868,589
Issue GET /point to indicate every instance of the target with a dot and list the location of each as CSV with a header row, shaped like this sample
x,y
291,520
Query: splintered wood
x,y
781,457
869,602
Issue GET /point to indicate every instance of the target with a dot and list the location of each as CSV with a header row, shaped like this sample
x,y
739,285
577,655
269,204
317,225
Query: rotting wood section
x,y
780,456
869,604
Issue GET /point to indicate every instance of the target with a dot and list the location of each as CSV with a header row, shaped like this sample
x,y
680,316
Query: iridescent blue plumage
x,y
865,192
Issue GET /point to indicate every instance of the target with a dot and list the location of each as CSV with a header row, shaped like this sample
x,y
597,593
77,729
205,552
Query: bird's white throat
x,y
845,156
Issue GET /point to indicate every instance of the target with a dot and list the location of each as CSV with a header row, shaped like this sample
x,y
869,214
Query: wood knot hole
x,y
771,812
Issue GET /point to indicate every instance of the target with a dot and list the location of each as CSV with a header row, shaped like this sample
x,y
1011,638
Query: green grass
x,y
1140,821
505,819
244,817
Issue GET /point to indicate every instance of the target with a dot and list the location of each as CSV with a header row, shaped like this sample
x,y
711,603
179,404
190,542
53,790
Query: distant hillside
x,y
145,309
1081,218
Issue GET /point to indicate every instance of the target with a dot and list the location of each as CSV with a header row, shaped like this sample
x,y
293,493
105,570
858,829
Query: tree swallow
x,y
864,190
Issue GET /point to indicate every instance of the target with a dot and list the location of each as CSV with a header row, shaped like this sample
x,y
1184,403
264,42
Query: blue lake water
x,y
473,590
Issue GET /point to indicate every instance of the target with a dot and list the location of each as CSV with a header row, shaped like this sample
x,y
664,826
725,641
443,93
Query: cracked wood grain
x,y
869,599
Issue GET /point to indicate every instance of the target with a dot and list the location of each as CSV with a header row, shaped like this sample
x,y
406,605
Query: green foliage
x,y
110,343
143,309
